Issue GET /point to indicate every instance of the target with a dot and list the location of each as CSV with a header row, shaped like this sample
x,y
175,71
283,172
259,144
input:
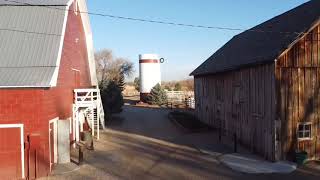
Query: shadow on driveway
x,y
145,144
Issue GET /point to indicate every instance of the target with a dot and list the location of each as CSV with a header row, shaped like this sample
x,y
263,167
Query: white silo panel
x,y
150,74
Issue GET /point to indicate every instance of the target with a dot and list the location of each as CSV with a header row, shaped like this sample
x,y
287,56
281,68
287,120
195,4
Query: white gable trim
x,y
54,78
89,41
69,3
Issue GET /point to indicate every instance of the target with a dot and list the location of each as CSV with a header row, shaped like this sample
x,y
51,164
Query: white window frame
x,y
6,126
304,124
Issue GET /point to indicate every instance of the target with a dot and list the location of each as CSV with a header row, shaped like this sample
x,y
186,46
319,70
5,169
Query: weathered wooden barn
x,y
264,85
46,60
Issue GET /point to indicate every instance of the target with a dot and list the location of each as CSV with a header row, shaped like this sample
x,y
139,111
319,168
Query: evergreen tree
x,y
136,83
121,83
157,96
112,98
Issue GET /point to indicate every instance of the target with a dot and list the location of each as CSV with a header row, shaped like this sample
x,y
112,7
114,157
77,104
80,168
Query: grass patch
x,y
188,121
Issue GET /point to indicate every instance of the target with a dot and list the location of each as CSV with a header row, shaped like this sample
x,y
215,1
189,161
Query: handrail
x,y
86,95
86,90
91,99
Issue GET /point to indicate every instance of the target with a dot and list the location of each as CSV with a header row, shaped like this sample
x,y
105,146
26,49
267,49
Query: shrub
x,y
157,96
112,98
121,84
166,87
177,87
136,83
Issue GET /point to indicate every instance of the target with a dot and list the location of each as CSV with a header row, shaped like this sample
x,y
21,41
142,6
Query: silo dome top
x,y
148,56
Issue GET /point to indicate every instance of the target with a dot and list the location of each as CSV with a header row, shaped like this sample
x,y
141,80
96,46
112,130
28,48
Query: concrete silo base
x,y
143,97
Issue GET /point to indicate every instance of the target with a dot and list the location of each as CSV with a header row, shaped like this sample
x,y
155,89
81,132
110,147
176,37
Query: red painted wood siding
x,y
10,153
74,57
35,107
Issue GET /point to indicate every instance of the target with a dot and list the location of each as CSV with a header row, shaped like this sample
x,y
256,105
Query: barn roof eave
x,y
232,69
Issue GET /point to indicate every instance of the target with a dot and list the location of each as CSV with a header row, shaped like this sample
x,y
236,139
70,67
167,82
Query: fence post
x,y
235,142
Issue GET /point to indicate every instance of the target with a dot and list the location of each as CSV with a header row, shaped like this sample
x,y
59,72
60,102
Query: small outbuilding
x,y
264,85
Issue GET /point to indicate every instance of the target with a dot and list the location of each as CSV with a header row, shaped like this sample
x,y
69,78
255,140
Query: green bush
x,y
111,97
166,87
136,83
157,96
121,84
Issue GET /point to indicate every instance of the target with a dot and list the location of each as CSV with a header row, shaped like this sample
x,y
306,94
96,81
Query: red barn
x,y
46,55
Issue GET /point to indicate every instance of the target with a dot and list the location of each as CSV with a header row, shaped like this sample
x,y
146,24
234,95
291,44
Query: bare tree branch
x,y
110,68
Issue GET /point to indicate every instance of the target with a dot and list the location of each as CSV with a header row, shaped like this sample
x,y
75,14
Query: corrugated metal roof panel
x,y
28,48
34,2
30,38
26,77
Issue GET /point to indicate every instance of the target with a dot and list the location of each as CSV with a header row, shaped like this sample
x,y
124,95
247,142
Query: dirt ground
x,y
142,143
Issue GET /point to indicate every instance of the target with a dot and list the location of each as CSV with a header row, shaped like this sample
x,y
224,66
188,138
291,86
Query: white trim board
x,y
54,78
55,135
89,41
3,126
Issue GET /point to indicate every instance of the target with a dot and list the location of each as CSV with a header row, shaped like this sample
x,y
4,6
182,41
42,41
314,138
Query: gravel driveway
x,y
141,143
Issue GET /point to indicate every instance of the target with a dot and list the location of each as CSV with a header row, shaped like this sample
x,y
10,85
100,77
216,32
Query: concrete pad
x,y
60,169
255,165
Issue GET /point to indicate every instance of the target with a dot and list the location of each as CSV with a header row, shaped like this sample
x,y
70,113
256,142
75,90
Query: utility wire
x,y
159,22
29,32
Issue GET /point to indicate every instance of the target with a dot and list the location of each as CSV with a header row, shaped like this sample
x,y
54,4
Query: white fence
x,y
186,97
191,103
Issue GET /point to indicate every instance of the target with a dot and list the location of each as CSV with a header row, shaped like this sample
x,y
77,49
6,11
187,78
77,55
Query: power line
x,y
29,32
158,22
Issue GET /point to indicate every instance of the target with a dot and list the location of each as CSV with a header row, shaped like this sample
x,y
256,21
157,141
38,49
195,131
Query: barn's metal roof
x,y
26,77
30,40
35,2
263,43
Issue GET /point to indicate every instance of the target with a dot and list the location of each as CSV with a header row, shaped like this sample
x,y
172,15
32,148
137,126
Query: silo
x,y
150,74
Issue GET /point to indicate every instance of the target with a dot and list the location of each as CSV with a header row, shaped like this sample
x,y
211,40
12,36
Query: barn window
x,y
304,131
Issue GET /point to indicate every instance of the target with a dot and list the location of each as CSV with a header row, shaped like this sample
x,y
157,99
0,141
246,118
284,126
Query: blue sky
x,y
183,48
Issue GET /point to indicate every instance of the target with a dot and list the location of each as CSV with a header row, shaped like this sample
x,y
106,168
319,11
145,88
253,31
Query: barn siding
x,y
241,102
59,99
298,76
